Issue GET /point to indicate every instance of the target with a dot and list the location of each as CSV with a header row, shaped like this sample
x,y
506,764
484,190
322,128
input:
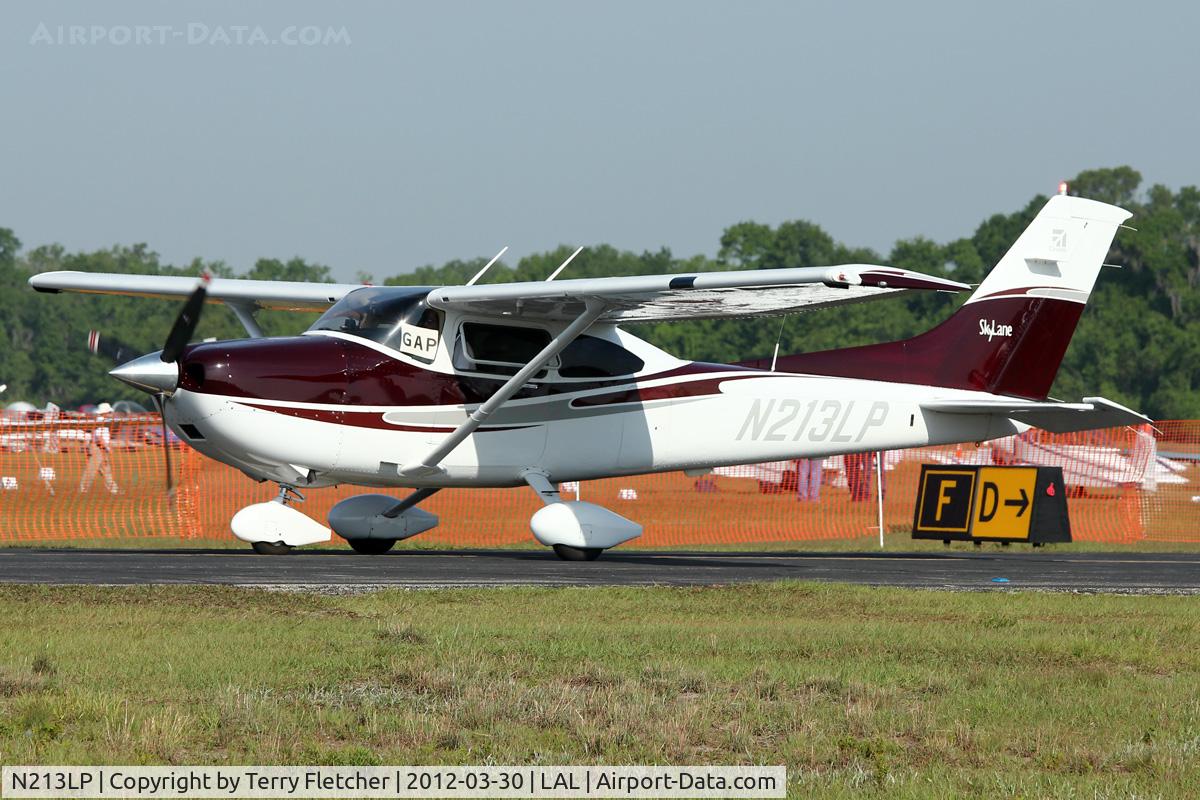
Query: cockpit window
x,y
500,349
505,344
396,317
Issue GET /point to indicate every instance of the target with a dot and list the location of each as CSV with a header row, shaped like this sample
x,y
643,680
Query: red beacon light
x,y
1062,187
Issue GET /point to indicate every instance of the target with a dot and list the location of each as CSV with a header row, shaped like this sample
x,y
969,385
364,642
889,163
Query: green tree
x,y
1138,340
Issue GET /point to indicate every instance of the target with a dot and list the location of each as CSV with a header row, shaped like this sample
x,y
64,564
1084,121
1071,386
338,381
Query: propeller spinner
x,y
158,373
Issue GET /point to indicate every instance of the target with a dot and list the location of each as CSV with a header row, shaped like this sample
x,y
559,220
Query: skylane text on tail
x,y
537,383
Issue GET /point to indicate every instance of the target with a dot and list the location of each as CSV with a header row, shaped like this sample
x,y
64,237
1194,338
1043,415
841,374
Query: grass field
x,y
859,691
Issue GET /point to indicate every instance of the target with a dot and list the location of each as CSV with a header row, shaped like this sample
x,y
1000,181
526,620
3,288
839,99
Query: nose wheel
x,y
274,528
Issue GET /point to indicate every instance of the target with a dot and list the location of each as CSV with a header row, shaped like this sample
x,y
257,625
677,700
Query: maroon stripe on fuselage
x,y
668,391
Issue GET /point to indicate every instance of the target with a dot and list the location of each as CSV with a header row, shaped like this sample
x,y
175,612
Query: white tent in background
x,y
1089,465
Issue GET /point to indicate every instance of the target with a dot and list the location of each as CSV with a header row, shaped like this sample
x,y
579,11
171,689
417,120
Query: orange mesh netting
x,y
1124,486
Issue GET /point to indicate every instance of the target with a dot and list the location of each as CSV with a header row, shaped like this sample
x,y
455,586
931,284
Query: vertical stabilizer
x,y
1010,336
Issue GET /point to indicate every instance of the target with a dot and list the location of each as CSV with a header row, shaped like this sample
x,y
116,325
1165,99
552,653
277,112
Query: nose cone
x,y
149,373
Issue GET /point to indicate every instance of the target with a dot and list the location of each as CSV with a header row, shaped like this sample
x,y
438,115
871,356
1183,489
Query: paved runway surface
x,y
1063,570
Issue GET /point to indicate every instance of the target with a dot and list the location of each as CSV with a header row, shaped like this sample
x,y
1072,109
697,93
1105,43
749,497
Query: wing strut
x,y
429,464
245,314
420,495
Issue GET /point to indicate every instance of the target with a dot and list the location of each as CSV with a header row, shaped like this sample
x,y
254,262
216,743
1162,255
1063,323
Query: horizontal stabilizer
x,y
1092,413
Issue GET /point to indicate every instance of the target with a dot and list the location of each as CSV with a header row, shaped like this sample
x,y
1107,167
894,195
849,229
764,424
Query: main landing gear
x,y
568,553
271,548
576,530
371,547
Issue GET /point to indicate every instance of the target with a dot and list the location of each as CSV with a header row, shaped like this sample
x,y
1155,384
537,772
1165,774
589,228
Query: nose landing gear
x,y
568,553
273,528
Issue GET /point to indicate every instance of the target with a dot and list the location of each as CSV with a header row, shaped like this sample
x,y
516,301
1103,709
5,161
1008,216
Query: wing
x,y
285,295
701,295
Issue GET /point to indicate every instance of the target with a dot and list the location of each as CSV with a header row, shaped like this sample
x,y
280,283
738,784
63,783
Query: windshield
x,y
394,316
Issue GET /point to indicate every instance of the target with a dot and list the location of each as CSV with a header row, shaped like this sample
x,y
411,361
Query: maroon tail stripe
x,y
960,353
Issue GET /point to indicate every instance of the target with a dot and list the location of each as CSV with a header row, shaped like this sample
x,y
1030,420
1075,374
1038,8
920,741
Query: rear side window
x,y
592,357
504,349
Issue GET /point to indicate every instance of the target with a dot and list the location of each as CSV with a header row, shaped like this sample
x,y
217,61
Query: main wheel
x,y
271,548
568,553
371,547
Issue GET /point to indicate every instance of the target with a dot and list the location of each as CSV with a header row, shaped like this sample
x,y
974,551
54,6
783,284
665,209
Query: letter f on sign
x,y
943,500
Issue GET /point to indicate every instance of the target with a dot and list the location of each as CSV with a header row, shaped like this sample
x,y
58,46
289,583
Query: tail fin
x,y
1010,336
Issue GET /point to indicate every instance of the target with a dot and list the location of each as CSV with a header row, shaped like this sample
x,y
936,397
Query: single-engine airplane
x,y
536,382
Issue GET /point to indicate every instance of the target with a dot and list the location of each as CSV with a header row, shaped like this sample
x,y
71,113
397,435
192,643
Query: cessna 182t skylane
x,y
535,383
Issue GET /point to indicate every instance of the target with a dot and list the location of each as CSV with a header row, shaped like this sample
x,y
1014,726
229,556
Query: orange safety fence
x,y
88,478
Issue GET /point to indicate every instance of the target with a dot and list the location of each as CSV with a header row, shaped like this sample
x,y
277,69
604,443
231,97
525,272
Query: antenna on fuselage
x,y
487,266
563,265
778,339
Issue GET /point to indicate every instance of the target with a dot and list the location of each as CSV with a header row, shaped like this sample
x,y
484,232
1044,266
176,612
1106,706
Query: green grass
x,y
859,691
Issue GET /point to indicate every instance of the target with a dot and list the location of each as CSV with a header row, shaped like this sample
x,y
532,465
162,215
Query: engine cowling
x,y
361,517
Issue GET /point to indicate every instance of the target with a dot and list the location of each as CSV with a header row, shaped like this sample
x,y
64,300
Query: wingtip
x,y
889,278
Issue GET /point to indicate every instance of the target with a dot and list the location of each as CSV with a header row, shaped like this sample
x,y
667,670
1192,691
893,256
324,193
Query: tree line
x,y
1138,342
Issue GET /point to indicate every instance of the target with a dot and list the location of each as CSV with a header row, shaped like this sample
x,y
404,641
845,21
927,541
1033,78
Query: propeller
x,y
139,371
116,351
185,323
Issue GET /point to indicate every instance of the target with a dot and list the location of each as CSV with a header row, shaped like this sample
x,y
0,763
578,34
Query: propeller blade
x,y
162,416
116,351
185,323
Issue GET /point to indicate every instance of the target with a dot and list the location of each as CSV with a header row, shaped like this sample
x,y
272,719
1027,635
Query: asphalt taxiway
x,y
331,570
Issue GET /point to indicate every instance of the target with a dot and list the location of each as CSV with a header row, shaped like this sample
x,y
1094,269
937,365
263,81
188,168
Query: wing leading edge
x,y
283,295
702,295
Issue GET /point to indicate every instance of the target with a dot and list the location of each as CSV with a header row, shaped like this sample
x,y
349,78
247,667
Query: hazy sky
x,y
425,132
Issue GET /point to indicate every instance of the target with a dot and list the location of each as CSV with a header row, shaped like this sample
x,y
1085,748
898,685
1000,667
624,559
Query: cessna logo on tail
x,y
991,328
